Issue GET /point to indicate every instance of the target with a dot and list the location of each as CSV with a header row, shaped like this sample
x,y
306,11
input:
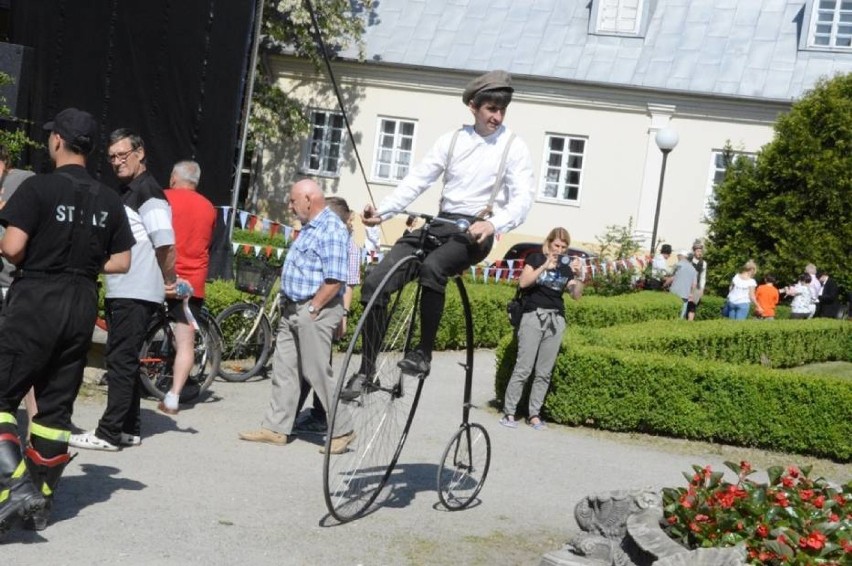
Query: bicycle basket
x,y
254,276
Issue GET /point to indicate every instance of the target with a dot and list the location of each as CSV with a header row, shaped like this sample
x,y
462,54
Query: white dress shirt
x,y
469,178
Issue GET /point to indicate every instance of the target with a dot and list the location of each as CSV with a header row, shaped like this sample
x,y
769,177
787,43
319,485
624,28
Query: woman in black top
x,y
544,278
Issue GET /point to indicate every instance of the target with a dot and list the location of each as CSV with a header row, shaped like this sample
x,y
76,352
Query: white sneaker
x,y
89,441
130,439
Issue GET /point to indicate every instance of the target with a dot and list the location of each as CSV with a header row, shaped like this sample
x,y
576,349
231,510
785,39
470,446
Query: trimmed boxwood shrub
x,y
779,344
685,394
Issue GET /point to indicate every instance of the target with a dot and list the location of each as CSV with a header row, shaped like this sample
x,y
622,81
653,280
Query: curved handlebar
x,y
461,223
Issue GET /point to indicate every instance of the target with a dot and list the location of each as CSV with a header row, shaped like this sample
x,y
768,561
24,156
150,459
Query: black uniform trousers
x,y
127,321
45,334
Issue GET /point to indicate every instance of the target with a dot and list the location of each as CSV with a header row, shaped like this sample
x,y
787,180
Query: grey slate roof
x,y
744,48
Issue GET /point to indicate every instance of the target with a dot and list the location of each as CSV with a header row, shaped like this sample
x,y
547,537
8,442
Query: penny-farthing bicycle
x,y
381,415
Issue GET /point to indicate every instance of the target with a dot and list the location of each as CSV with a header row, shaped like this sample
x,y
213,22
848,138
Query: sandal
x,y
538,424
509,422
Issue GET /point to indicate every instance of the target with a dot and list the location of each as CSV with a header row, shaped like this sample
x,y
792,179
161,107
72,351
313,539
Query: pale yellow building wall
x,y
622,163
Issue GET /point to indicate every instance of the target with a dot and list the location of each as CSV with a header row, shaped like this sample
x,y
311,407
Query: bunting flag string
x,y
591,268
253,222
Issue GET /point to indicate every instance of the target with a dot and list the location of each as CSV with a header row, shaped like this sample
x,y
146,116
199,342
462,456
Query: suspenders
x,y
488,211
82,229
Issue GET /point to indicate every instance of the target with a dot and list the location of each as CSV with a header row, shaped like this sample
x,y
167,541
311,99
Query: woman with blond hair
x,y
544,278
741,293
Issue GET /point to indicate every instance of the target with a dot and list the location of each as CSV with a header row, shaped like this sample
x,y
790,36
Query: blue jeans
x,y
738,311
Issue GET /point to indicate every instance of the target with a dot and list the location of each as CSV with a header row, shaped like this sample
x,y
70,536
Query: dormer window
x,y
619,17
830,25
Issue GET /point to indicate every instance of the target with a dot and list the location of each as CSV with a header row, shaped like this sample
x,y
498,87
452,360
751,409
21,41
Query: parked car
x,y
522,250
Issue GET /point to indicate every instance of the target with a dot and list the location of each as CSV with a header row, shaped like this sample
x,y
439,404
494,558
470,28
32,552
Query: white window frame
x,y
830,20
564,168
715,170
612,17
397,164
325,144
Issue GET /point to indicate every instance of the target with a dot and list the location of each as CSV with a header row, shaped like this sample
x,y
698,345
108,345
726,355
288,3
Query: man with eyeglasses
x,y
132,298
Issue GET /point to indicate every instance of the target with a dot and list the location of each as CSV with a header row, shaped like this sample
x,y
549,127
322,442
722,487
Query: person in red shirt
x,y
767,297
193,220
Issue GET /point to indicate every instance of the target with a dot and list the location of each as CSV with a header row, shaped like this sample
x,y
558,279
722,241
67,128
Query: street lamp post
x,y
666,140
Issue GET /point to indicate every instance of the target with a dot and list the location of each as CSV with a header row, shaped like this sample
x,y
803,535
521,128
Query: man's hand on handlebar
x,y
481,230
369,216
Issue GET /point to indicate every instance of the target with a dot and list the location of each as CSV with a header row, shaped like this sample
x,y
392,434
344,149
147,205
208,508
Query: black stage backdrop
x,y
173,70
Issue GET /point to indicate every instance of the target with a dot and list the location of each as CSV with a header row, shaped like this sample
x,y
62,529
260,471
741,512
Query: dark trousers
x,y
45,334
127,322
448,253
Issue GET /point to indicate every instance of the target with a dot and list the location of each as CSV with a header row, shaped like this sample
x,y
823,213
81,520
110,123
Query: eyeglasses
x,y
120,157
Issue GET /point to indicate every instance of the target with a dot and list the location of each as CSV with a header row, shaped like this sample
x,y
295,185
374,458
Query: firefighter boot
x,y
46,457
18,495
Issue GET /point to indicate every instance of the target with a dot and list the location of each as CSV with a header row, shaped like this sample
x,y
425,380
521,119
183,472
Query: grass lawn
x,y
836,369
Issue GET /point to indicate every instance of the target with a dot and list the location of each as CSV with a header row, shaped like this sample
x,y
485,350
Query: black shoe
x,y
415,363
352,389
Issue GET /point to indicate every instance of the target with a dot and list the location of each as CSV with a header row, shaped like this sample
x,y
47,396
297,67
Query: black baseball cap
x,y
77,127
666,249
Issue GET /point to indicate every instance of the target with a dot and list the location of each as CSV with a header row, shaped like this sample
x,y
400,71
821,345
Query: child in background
x,y
767,296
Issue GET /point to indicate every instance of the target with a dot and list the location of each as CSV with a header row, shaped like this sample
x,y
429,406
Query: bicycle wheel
x,y
156,359
246,342
464,466
381,416
208,353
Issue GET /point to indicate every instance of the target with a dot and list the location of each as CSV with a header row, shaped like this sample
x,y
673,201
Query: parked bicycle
x,y
156,358
249,327
383,412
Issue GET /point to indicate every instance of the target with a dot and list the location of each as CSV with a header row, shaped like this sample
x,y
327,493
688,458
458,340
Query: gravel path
x,y
193,493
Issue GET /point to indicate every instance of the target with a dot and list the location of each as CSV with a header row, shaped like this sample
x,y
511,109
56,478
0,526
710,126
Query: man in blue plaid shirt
x,y
312,284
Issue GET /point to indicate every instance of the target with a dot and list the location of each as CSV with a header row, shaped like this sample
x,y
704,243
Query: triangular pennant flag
x,y
252,222
257,248
287,231
473,272
279,251
235,246
498,274
268,251
225,213
265,226
243,218
273,228
246,249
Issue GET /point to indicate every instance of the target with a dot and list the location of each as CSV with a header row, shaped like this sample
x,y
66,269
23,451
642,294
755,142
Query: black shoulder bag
x,y
515,308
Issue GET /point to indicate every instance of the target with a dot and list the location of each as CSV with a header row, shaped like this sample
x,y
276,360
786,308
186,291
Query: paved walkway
x,y
195,494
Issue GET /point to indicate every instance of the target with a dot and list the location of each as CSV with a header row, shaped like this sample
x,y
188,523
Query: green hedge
x,y
778,344
680,394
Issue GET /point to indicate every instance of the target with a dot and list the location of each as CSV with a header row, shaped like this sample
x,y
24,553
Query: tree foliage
x,y
793,205
14,140
287,27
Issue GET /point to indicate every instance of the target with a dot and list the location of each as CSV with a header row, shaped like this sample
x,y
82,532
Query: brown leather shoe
x,y
163,409
264,435
339,443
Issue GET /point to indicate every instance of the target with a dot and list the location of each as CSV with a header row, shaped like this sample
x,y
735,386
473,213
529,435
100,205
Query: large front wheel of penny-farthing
x,y
464,466
381,415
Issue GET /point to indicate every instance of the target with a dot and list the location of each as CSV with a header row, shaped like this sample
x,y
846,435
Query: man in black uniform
x,y
62,229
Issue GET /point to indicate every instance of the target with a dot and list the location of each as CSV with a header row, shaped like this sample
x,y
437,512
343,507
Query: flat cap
x,y
492,80
697,244
76,127
666,249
